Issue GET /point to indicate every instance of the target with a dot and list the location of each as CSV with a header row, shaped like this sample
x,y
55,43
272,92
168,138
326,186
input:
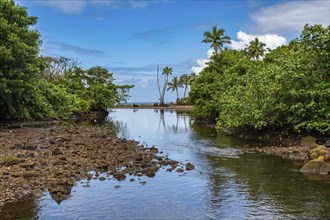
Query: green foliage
x,y
34,87
19,63
288,89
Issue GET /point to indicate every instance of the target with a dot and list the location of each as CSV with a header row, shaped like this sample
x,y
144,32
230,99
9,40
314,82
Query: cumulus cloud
x,y
202,63
271,40
291,16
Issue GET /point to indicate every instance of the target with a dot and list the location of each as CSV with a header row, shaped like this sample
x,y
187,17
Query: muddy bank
x,y
54,158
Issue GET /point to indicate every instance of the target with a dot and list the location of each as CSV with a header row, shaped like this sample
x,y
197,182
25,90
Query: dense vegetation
x,y
35,87
288,89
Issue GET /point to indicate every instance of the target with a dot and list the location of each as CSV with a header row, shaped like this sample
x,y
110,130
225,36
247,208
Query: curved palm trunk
x,y
185,90
161,98
177,94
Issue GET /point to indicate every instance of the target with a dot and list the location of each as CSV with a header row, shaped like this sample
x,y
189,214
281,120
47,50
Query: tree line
x,y
37,87
287,88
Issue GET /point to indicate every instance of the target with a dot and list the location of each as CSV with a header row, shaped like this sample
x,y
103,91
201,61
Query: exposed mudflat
x,y
54,158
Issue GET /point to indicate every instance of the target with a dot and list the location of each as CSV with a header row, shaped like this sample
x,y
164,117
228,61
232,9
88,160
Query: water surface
x,y
229,182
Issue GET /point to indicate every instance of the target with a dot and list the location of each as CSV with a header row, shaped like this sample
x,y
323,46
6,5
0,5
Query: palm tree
x,y
166,71
256,49
192,78
174,85
184,82
217,38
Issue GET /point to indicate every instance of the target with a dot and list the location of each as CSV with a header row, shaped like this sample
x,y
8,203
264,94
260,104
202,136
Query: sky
x,y
131,37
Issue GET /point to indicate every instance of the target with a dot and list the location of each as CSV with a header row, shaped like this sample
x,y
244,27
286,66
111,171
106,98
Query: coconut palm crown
x,y
216,38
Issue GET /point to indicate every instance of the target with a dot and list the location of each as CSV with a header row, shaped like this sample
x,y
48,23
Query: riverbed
x,y
230,180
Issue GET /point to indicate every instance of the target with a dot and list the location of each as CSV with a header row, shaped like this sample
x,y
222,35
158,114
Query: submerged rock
x,y
317,166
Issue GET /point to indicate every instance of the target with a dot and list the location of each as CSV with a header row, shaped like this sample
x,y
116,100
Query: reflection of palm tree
x,y
217,38
161,118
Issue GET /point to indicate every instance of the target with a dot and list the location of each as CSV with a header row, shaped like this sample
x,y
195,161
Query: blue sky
x,y
130,38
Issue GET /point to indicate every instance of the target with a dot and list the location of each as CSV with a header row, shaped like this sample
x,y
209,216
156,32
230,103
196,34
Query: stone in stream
x,y
316,166
102,178
119,176
189,166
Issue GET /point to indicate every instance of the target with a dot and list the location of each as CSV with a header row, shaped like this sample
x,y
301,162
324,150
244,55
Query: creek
x,y
230,180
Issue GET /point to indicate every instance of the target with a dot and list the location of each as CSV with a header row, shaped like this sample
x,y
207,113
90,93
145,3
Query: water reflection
x,y
228,182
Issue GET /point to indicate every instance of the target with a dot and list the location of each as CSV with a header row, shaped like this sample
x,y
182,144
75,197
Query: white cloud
x,y
271,40
289,17
78,6
138,4
67,7
202,63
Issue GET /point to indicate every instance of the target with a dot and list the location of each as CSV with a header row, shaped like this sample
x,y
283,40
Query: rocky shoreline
x,y
34,159
315,156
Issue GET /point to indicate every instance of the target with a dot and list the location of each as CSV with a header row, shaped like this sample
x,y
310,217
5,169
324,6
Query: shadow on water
x,y
229,182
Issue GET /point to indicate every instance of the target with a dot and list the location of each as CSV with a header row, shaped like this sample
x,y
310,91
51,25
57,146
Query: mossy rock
x,y
317,166
320,150
9,161
29,174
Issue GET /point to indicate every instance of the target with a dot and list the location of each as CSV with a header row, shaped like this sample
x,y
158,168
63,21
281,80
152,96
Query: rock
x,y
37,193
18,146
52,141
60,192
30,147
307,141
59,162
320,150
150,174
119,176
103,166
56,152
179,170
327,143
102,178
27,164
9,161
30,173
189,166
154,150
317,166
5,173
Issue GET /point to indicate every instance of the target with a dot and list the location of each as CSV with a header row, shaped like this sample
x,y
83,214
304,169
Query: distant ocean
x,y
143,103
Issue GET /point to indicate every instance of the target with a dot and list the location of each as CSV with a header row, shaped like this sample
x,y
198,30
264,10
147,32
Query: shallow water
x,y
229,182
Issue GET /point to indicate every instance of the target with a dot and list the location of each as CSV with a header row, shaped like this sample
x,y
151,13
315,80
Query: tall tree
x,y
174,86
19,62
256,49
216,38
184,82
166,72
